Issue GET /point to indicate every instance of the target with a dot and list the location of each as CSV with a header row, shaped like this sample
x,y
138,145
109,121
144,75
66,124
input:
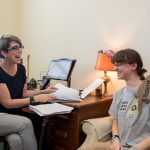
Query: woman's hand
x,y
116,145
49,90
44,98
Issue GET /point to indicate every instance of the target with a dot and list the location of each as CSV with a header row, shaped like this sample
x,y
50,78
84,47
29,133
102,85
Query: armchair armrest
x,y
97,129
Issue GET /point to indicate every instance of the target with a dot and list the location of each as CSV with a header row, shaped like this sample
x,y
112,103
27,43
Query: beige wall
x,y
78,29
10,17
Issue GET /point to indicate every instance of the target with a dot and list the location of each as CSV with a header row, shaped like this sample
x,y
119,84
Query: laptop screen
x,y
59,69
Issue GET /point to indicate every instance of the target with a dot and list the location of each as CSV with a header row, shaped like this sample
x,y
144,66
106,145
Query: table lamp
x,y
104,63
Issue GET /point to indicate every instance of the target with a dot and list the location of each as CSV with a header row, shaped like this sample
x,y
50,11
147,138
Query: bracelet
x,y
32,100
115,137
134,147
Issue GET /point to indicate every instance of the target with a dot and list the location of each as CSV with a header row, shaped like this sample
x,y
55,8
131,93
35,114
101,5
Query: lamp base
x,y
107,80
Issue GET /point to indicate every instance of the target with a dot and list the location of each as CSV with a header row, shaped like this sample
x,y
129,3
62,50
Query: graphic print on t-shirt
x,y
123,106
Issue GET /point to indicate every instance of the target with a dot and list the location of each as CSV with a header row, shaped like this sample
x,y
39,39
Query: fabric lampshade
x,y
103,62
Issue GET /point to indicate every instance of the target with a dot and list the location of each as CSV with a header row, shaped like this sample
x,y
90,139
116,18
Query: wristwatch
x,y
32,101
115,137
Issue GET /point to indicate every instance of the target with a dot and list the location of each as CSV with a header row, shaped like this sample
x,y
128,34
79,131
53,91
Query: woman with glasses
x,y
13,88
130,109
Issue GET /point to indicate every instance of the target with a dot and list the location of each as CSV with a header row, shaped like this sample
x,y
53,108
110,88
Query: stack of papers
x,y
68,94
51,109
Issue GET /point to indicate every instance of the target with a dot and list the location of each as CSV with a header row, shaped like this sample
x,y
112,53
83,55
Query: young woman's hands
x,y
116,145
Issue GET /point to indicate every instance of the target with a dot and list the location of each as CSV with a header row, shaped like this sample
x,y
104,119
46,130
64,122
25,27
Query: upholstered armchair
x,y
98,129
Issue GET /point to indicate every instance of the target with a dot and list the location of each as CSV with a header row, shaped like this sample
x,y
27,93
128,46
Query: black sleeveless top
x,y
15,85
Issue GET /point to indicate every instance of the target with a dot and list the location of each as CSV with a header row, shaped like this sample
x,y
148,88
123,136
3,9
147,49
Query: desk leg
x,y
44,124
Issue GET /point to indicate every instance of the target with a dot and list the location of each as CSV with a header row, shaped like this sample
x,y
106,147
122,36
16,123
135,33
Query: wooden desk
x,y
64,131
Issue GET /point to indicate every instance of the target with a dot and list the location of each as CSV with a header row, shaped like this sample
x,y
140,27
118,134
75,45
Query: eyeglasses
x,y
119,64
16,48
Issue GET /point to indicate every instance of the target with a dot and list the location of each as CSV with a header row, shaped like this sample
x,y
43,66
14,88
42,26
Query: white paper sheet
x,y
95,84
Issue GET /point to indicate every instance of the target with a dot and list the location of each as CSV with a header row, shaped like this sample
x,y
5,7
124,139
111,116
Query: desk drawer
x,y
62,121
60,131
58,139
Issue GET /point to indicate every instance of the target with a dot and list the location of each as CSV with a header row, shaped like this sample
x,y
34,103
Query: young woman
x,y
130,109
18,131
